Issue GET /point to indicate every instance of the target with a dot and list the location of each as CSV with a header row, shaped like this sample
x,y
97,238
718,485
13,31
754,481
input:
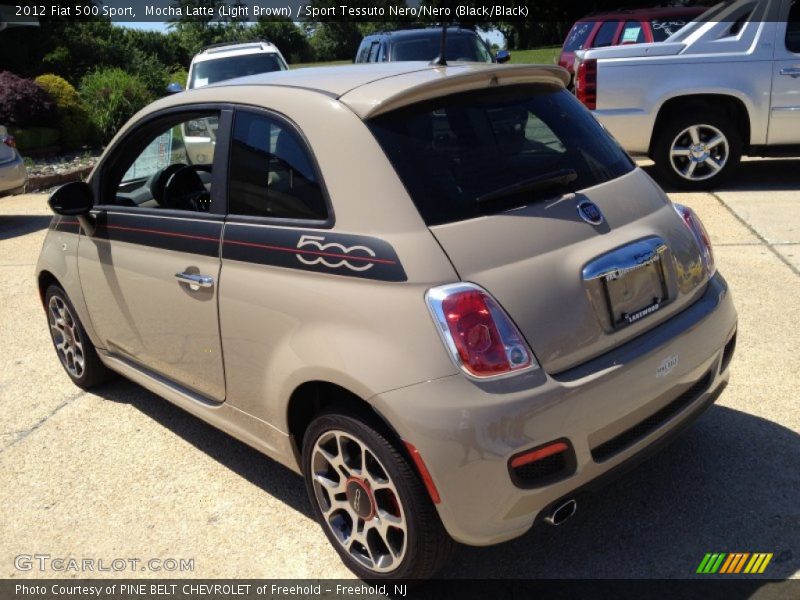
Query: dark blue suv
x,y
463,44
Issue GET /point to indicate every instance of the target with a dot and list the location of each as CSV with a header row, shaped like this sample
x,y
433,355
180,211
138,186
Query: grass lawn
x,y
547,56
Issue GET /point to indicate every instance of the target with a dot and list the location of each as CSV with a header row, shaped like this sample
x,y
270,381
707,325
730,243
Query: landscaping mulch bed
x,y
47,173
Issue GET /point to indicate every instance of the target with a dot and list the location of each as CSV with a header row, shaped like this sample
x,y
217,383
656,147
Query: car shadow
x,y
270,476
12,226
760,175
729,484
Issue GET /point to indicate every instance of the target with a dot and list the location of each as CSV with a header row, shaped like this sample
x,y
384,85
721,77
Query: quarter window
x,y
373,52
271,172
605,35
633,33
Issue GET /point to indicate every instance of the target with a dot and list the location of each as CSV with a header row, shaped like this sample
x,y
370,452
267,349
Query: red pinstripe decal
x,y
384,261
159,232
256,245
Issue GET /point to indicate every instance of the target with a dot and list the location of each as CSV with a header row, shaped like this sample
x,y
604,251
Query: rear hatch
x,y
532,200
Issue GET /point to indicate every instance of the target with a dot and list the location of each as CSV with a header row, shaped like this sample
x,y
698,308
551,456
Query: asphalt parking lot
x,y
121,473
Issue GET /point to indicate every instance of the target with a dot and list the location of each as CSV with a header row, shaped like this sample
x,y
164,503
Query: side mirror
x,y
174,88
72,199
503,56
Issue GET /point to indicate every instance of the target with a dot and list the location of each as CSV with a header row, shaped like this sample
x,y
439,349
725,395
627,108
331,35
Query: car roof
x,y
234,49
426,31
645,13
373,88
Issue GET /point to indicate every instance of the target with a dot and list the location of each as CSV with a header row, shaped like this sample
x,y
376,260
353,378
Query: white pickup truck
x,y
726,85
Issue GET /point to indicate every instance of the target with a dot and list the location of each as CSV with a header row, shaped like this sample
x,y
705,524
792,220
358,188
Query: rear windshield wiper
x,y
559,178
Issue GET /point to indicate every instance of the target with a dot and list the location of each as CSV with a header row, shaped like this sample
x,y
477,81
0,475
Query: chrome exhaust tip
x,y
561,513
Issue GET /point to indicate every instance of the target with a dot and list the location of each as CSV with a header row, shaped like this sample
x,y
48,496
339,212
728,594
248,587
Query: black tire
x,y
706,119
92,372
428,545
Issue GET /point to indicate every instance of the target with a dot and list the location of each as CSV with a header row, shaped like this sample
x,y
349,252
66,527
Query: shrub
x,y
179,75
35,138
22,102
111,97
73,120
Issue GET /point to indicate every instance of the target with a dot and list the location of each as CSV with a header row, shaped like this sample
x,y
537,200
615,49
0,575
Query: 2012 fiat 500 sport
x,y
443,295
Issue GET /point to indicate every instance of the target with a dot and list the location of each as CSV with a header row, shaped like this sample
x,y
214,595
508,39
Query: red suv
x,y
624,27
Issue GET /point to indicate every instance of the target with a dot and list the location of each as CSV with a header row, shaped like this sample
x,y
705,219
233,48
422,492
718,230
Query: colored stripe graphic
x,y
734,562
711,563
758,562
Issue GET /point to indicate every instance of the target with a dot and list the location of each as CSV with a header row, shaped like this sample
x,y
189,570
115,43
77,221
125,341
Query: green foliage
x,y
111,97
335,40
73,121
34,138
290,39
179,75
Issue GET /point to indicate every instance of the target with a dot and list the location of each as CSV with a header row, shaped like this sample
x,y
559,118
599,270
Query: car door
x,y
784,122
150,271
277,239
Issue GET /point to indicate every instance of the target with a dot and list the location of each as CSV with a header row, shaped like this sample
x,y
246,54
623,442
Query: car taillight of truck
x,y
586,83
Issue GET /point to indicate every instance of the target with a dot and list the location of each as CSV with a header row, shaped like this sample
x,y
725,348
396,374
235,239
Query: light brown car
x,y
442,294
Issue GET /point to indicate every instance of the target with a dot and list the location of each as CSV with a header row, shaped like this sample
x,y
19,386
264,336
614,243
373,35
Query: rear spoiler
x,y
377,97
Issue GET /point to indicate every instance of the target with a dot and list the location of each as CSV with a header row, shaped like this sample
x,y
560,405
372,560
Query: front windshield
x,y
220,69
468,48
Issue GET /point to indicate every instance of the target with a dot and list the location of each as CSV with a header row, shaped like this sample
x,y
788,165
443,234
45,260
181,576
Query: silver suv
x,y
443,295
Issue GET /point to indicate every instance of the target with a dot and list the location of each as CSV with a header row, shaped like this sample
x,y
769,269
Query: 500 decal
x,y
343,254
334,249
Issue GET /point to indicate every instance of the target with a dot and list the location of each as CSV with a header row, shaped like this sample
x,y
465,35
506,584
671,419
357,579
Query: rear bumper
x,y
612,410
13,175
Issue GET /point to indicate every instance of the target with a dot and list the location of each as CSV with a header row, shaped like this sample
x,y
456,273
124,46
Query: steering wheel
x,y
158,181
184,190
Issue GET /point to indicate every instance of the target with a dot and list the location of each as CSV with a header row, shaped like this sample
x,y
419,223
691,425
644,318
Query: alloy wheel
x,y
699,152
66,337
359,501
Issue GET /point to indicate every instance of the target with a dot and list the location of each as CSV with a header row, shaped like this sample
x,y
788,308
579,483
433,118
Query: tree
x,y
288,37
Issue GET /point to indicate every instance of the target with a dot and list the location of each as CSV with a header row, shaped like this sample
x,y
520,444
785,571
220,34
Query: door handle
x,y
195,281
791,71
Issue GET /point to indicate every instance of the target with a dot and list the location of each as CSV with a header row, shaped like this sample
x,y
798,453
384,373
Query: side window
x,y
373,52
363,51
170,167
632,33
605,35
793,28
271,173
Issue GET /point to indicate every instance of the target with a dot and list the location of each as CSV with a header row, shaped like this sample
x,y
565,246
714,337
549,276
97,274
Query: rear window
x,y
427,46
576,38
461,156
219,69
664,28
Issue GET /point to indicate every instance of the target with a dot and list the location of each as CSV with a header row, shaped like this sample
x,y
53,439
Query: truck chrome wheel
x,y
66,337
359,501
699,152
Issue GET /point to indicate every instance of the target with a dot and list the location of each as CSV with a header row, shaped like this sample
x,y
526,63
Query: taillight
x,y
481,338
586,83
9,140
695,225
